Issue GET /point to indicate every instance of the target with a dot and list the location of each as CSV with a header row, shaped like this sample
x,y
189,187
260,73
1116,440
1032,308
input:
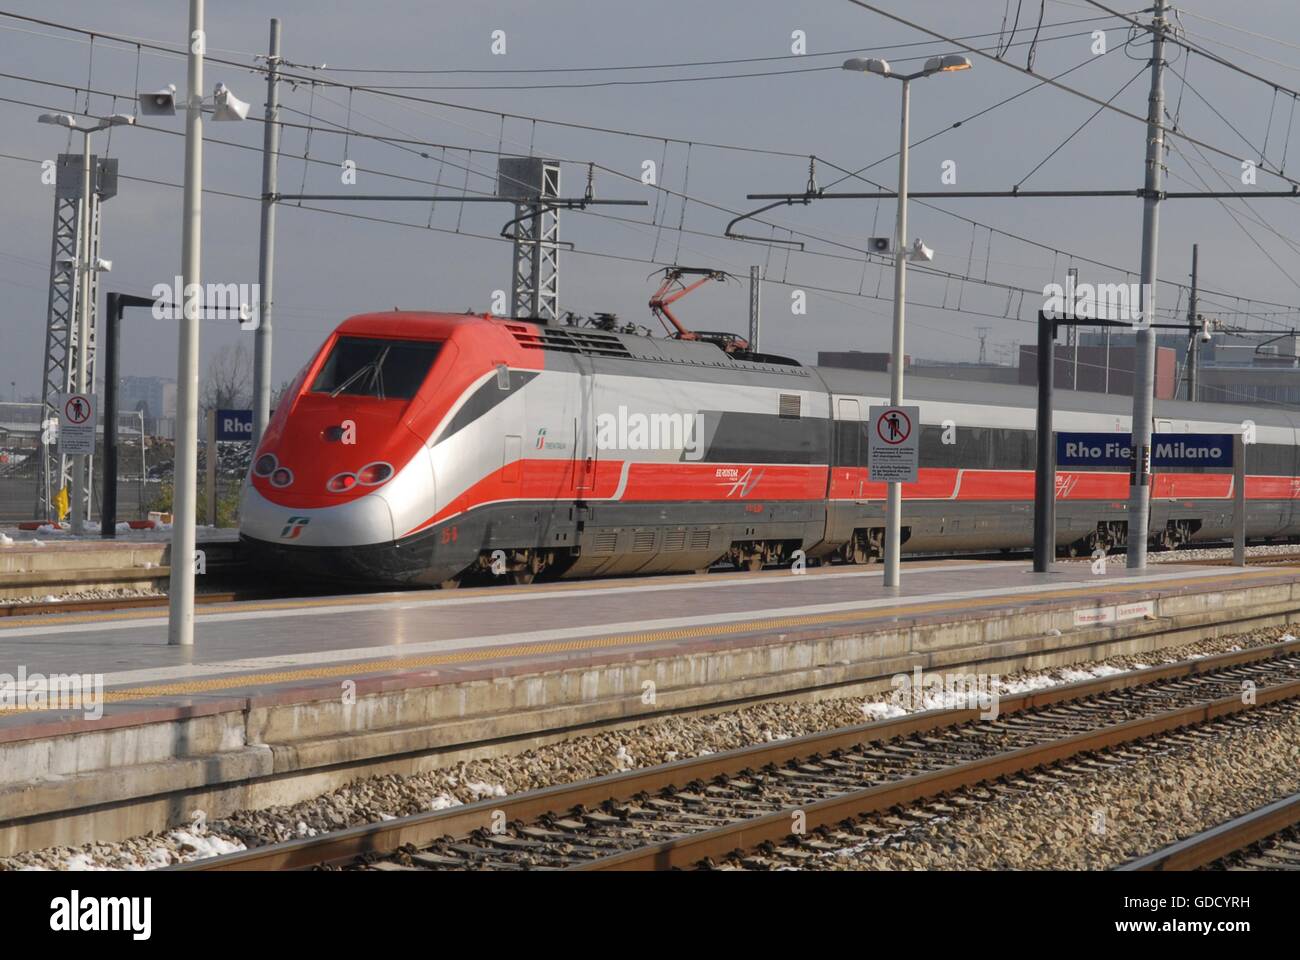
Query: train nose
x,y
366,520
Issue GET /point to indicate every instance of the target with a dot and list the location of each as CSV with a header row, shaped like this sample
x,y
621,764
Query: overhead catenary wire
x,y
1065,87
1017,237
535,120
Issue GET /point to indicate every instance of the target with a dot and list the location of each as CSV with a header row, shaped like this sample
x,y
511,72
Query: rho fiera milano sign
x,y
1167,449
234,425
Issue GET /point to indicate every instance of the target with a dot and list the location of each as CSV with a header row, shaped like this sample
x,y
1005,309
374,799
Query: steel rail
x,y
746,834
344,845
1217,842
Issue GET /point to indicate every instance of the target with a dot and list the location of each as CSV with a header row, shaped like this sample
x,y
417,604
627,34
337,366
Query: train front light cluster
x,y
269,467
371,475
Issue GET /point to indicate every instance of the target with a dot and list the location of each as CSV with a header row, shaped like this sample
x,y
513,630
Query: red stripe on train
x,y
545,479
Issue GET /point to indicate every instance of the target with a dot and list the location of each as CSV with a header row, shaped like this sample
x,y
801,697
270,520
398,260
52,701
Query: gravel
x,y
659,741
1104,819
115,594
1191,554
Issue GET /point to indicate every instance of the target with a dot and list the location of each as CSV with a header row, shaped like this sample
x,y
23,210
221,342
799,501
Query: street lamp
x,y
945,64
82,268
225,106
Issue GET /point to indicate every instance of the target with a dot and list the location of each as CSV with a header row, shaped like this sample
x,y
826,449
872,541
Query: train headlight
x,y
265,465
341,483
374,473
281,477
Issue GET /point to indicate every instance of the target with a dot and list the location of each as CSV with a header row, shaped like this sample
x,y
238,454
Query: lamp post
x,y
946,64
82,268
225,106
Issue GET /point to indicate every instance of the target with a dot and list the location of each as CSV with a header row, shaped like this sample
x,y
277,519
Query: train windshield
x,y
385,369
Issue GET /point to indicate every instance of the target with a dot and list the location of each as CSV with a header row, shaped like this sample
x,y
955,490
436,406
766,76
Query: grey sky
x,y
329,266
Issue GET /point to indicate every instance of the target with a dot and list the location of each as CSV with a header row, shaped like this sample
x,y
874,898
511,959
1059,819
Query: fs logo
x,y
541,438
293,527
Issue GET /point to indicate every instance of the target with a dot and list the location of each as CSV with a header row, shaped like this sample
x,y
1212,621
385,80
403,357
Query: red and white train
x,y
416,447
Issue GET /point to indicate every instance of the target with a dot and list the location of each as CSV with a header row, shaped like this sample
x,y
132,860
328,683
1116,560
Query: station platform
x,y
282,699
37,563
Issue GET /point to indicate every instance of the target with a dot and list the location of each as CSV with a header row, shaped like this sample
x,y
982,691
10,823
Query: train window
x,y
1271,459
850,443
371,367
977,448
1013,449
934,452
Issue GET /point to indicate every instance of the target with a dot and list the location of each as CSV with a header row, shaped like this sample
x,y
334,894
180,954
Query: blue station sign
x,y
234,425
1167,449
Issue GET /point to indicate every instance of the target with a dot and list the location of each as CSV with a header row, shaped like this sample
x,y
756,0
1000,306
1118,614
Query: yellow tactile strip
x,y
353,668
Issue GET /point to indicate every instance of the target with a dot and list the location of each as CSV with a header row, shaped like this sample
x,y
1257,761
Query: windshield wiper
x,y
374,368
365,368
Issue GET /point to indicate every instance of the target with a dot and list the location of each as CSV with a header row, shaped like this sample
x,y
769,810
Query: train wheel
x,y
451,584
755,563
521,578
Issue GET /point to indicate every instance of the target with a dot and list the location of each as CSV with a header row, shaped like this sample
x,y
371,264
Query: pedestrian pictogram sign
x,y
77,420
893,444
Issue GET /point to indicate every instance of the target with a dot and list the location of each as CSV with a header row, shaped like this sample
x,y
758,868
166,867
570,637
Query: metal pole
x,y
266,260
755,305
108,508
1194,334
1144,365
1238,502
894,502
1045,464
144,470
210,458
180,623
84,250
1074,334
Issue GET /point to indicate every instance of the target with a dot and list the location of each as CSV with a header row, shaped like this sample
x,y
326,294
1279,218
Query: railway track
x,y
11,609
110,603
804,797
1264,839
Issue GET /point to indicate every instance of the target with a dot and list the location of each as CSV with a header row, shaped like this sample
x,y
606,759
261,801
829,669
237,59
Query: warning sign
x,y
77,419
894,444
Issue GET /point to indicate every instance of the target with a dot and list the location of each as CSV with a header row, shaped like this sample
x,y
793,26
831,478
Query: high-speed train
x,y
419,447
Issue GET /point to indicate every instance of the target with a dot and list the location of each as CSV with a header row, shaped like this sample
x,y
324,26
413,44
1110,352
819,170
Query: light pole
x,y
82,268
180,622
946,64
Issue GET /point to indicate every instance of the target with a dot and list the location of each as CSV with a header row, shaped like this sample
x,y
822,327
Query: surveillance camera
x,y
227,106
160,103
1206,337
880,244
104,265
920,251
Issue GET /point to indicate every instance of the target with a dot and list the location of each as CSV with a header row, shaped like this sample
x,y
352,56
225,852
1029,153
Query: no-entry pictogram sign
x,y
893,444
77,420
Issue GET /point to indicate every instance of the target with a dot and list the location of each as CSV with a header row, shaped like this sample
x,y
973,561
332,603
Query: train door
x,y
851,454
1176,509
584,431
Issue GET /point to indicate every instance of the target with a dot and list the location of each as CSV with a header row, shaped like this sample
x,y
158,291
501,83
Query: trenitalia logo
x,y
541,437
293,527
738,483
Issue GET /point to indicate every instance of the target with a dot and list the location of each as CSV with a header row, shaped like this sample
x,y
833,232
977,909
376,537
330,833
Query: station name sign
x,y
234,425
1167,449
